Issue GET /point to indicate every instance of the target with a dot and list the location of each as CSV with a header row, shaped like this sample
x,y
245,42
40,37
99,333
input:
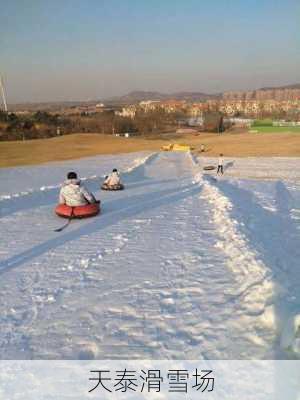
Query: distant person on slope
x,y
220,169
113,179
73,193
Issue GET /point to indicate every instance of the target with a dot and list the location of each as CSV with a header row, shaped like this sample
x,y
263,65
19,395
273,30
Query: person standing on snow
x,y
113,179
220,165
73,193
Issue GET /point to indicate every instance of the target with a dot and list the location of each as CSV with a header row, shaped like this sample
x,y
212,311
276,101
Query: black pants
x,y
220,169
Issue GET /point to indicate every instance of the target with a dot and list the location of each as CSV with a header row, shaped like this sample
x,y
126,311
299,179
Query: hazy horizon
x,y
132,91
96,49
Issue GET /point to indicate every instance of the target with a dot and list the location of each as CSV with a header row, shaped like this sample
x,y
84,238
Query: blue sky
x,y
71,49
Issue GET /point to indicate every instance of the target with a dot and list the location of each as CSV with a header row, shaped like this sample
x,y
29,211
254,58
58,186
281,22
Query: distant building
x,y
149,105
286,123
196,121
196,109
242,122
173,105
128,112
279,94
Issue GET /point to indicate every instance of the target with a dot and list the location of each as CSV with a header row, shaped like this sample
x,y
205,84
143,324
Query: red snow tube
x,y
86,211
120,186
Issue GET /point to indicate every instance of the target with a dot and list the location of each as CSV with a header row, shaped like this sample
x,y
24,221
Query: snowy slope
x,y
21,181
178,265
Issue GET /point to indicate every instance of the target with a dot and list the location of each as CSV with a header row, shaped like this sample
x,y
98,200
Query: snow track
x,y
178,265
251,273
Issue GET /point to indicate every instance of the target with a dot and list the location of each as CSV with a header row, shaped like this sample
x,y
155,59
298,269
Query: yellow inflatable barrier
x,y
181,147
167,147
176,147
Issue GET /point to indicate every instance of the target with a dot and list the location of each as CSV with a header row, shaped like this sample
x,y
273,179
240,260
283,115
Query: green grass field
x,y
275,129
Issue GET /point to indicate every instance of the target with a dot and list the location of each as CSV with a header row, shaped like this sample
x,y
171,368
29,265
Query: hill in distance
x,y
136,97
140,95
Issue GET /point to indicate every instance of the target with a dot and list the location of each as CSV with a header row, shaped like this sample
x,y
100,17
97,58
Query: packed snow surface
x,y
181,264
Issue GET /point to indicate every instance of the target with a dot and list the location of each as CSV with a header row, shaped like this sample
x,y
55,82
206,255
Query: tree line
x,y
43,124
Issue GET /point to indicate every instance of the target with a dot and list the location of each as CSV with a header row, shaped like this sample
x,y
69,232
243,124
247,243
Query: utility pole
x,y
3,94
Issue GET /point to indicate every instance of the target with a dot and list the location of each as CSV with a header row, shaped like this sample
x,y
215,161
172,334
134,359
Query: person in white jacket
x,y
113,179
220,165
73,193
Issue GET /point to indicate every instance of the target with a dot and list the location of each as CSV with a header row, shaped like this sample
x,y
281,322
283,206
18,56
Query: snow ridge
x,y
251,273
260,242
